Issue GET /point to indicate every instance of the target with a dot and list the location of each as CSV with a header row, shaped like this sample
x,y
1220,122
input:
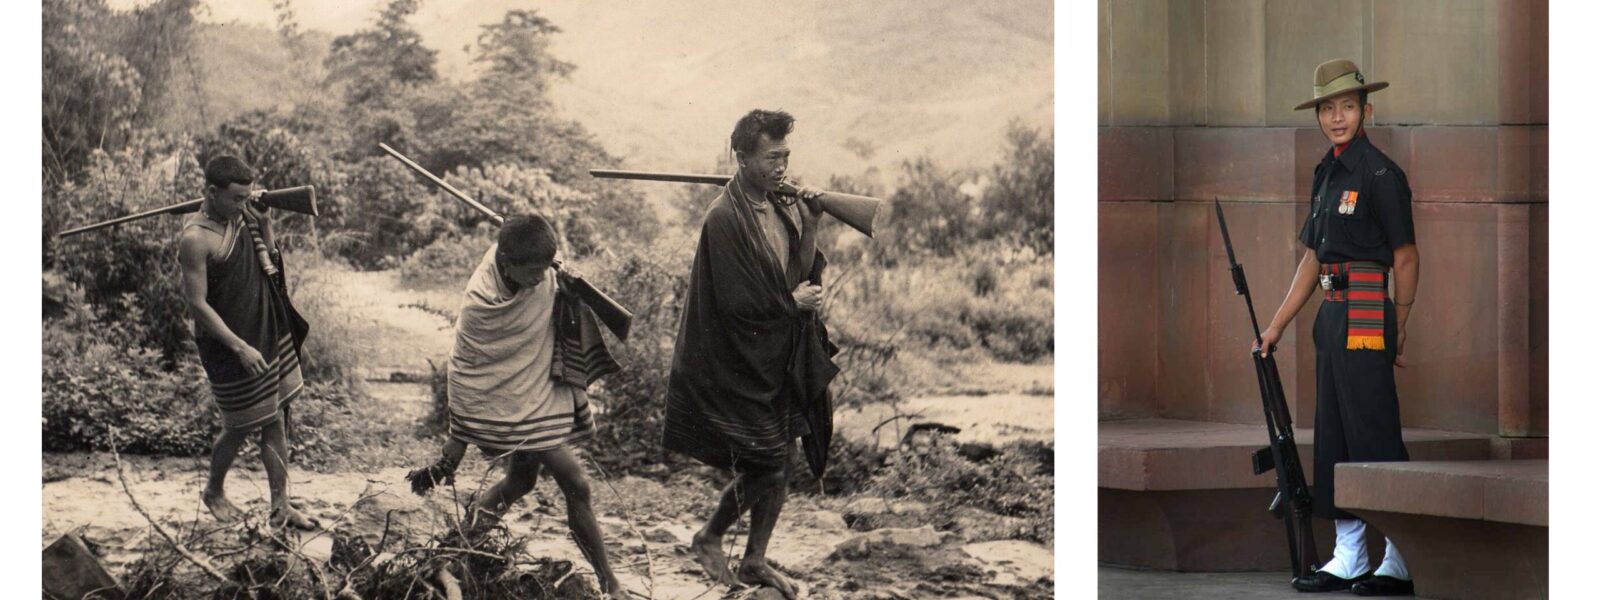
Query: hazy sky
x,y
661,82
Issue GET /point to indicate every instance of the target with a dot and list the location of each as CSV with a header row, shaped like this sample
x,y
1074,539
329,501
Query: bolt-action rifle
x,y
613,315
1292,504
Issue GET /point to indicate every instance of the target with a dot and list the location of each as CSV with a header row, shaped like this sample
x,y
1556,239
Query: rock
x,y
1015,562
869,513
875,505
891,541
319,548
977,525
926,433
977,451
407,515
72,571
825,520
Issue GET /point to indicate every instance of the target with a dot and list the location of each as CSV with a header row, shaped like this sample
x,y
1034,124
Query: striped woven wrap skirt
x,y
249,402
562,419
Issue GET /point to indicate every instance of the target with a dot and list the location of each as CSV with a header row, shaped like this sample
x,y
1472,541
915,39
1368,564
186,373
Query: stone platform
x,y
1180,495
1468,529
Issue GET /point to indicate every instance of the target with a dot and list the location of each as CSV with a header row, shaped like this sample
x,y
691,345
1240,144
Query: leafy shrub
x,y
984,300
851,468
437,421
341,428
390,212
1016,483
97,374
445,262
128,271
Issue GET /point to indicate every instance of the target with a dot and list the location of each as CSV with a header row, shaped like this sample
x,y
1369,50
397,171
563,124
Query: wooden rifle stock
x,y
301,199
1293,501
859,212
612,314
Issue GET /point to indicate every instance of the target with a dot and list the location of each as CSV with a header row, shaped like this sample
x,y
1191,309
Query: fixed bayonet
x,y
1293,501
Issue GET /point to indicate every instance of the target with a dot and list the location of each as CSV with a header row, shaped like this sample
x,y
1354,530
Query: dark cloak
x,y
750,370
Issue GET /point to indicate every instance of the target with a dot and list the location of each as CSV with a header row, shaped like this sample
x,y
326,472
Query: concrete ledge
x,y
1179,495
1168,454
1504,491
1465,559
1467,529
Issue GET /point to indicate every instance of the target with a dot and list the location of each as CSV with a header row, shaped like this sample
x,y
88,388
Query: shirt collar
x,y
1352,153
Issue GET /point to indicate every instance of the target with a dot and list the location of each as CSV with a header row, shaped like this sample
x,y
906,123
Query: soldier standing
x,y
1359,235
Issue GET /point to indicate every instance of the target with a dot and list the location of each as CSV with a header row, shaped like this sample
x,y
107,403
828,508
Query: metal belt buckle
x,y
1327,281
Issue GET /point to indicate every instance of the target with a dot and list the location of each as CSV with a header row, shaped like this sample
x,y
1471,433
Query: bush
x,y
445,262
98,375
989,301
129,271
1019,482
341,428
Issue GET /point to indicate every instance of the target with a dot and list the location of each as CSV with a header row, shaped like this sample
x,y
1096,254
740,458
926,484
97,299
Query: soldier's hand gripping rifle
x,y
858,212
613,315
1293,501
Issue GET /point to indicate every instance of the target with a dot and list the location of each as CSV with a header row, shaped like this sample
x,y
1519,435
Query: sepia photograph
x,y
482,299
1335,377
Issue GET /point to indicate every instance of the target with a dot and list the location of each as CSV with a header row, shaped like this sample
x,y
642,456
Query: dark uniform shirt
x,y
1360,206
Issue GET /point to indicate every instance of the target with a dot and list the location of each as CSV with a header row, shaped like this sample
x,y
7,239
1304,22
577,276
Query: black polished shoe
x,y
1384,585
1323,581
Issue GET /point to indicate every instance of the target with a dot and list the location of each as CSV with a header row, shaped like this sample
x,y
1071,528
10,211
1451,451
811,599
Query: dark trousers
x,y
1358,410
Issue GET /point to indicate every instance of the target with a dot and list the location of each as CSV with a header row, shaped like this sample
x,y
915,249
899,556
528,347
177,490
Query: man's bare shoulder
x,y
197,241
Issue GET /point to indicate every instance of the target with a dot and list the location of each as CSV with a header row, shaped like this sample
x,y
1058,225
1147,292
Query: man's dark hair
x,y
227,169
747,133
527,240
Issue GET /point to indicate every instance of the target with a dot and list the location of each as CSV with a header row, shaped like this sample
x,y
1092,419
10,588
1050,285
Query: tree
x,y
372,64
105,73
1020,204
930,212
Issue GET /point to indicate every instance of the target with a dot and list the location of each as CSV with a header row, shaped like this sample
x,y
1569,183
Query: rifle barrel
x,y
488,212
185,207
652,176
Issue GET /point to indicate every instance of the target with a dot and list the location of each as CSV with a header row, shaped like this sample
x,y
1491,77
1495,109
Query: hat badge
x,y
1359,78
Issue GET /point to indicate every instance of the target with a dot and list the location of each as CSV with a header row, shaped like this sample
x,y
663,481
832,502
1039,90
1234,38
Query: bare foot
x,y
292,517
708,553
762,574
613,590
223,510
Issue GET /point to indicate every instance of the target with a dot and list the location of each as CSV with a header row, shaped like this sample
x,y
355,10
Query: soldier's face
x,y
768,163
1341,116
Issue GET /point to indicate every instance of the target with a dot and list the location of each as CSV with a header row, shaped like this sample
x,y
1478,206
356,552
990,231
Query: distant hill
x,y
239,68
661,83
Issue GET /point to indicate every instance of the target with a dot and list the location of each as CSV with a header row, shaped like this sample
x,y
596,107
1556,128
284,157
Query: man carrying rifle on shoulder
x,y
751,366
246,332
1359,232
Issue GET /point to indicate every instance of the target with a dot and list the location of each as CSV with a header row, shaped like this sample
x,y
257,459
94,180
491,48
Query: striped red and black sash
x,y
1364,298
